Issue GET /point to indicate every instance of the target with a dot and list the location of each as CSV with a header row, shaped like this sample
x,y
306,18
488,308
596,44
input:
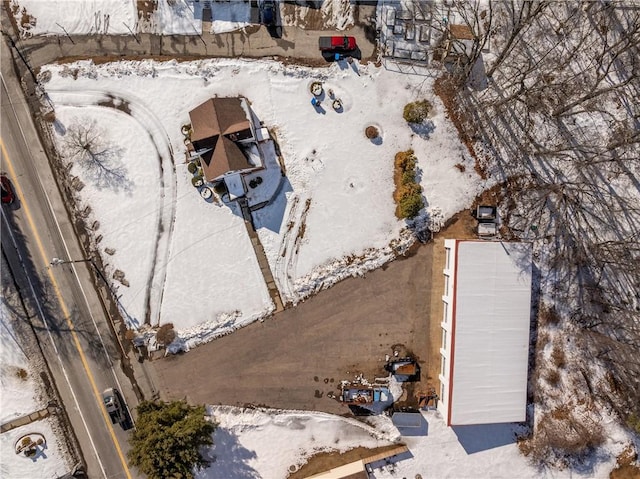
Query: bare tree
x,y
520,14
84,143
559,117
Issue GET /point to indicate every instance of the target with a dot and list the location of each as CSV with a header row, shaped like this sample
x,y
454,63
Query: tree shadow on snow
x,y
423,129
228,458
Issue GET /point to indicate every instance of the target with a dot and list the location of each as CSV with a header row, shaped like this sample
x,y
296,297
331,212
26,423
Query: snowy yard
x,y
20,395
271,444
190,262
20,391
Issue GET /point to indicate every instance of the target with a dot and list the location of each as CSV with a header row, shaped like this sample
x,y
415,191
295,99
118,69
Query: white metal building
x,y
485,332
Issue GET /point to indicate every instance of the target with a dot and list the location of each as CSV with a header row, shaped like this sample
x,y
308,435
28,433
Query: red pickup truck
x,y
338,43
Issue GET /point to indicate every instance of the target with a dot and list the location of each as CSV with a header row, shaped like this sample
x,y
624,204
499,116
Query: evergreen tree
x,y
167,440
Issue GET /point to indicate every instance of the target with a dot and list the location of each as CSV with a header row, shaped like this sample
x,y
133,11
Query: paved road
x,y
296,358
254,42
69,318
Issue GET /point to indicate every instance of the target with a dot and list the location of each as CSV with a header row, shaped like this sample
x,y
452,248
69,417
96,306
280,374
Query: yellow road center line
x,y
63,307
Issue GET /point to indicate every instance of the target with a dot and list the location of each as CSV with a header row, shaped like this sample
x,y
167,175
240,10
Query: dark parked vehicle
x,y
113,404
268,12
7,190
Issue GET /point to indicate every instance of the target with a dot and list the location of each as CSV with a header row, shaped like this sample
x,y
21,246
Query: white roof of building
x,y
492,319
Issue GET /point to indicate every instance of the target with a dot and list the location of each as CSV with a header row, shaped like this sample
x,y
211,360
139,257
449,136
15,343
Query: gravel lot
x,y
297,358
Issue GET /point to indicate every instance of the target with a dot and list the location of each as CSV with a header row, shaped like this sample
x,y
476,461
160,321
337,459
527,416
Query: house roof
x,y
492,309
213,123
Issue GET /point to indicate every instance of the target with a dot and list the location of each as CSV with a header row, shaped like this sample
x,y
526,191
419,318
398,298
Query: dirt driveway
x,y
297,358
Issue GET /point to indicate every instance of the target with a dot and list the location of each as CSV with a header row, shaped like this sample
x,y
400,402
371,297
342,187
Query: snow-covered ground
x,y
170,17
49,463
121,17
21,394
75,17
270,444
190,262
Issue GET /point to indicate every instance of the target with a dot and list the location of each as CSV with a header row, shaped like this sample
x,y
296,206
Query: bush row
x,y
408,193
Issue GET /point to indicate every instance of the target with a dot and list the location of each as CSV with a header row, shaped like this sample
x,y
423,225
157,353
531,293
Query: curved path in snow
x,y
168,181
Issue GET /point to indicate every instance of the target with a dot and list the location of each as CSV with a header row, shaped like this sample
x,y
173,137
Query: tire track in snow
x,y
288,254
284,259
168,183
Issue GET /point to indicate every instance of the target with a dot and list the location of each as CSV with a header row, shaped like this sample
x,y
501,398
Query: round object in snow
x,y
316,88
206,193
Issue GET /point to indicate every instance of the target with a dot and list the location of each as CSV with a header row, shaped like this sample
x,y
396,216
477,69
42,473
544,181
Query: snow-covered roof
x,y
235,187
492,291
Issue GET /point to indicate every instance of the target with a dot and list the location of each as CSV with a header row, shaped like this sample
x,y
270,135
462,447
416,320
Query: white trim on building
x,y
485,338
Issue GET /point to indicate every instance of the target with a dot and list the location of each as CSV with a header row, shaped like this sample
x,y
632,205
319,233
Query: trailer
x,y
359,394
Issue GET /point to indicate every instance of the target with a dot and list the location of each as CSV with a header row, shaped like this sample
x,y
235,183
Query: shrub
x,y
197,181
410,206
220,188
405,190
22,373
553,377
408,178
405,160
49,116
168,439
633,422
166,334
548,316
417,111
408,193
558,358
561,436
